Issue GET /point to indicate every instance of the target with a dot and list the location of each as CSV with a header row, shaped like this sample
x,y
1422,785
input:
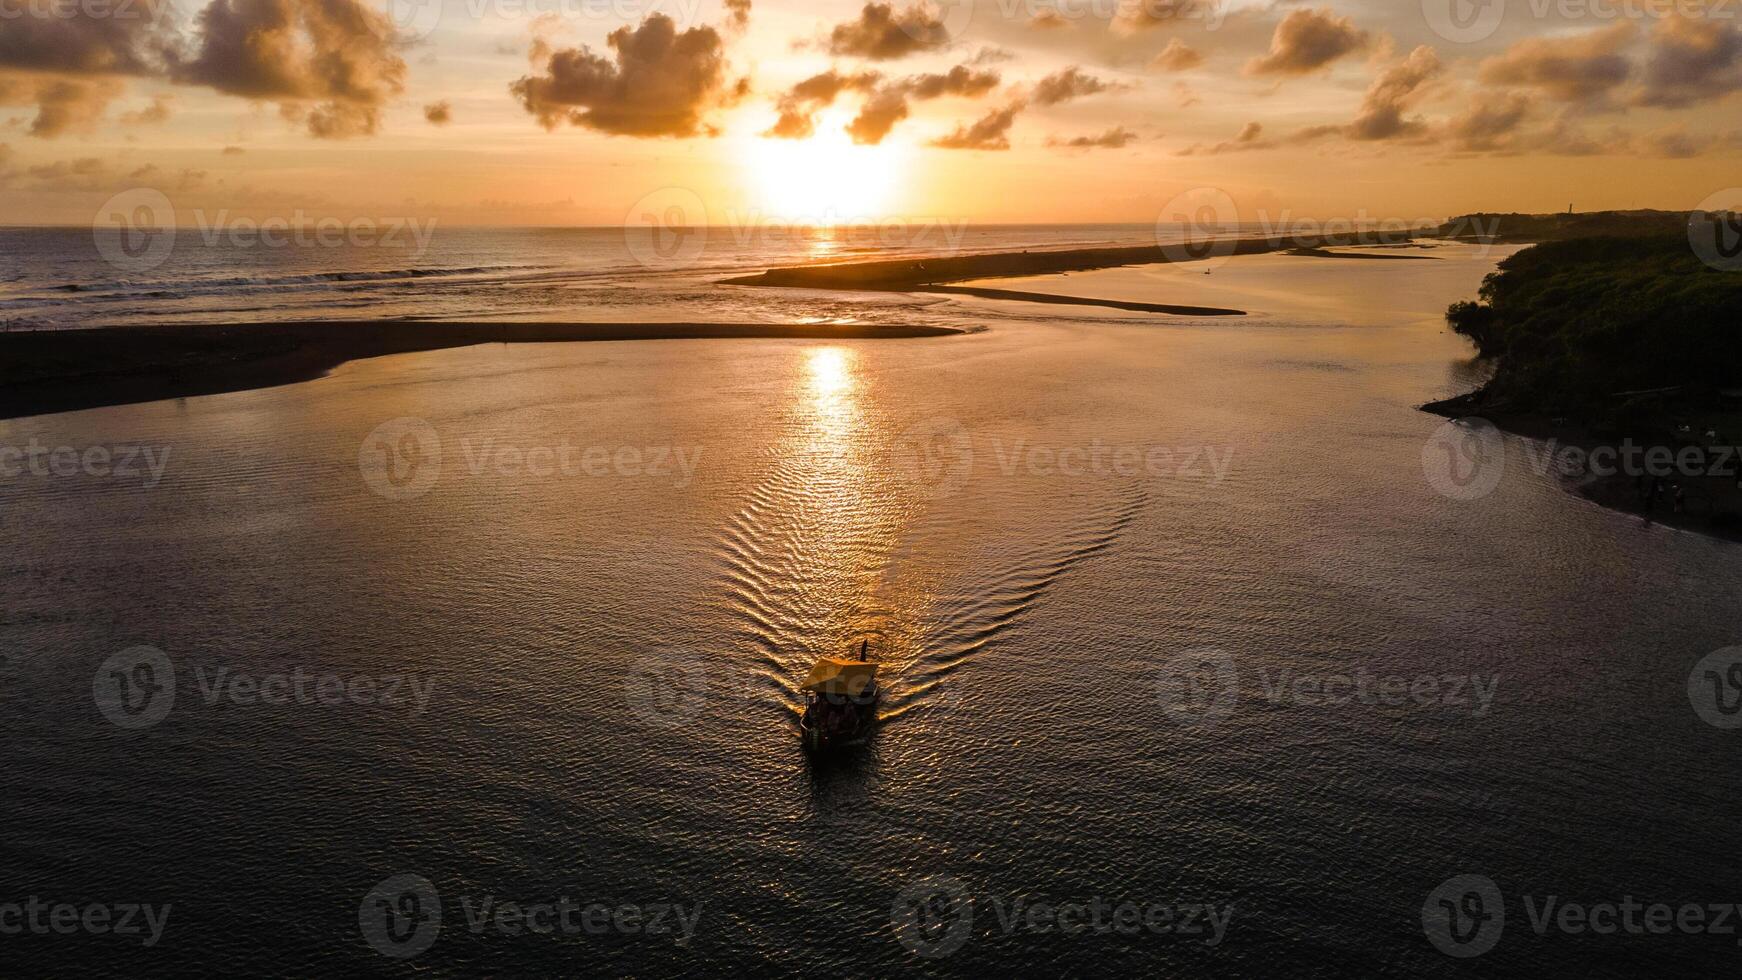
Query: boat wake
x,y
789,563
827,551
971,610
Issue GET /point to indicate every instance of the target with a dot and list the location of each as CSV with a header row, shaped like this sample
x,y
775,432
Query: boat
x,y
840,701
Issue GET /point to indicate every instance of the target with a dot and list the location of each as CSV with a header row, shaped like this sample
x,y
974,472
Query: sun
x,y
825,179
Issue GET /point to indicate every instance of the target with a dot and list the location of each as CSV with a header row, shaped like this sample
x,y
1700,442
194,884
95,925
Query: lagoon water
x,y
1033,524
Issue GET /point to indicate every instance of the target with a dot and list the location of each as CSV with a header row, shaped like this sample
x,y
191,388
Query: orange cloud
x,y
1576,69
990,132
881,34
662,83
1306,41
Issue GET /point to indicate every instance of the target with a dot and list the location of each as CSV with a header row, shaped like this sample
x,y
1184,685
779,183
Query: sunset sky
x,y
572,111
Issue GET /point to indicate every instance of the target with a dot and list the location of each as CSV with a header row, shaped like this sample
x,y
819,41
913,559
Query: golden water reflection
x,y
834,407
823,243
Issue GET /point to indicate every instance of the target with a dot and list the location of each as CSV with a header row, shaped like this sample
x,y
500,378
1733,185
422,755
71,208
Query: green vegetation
x,y
1518,228
1616,332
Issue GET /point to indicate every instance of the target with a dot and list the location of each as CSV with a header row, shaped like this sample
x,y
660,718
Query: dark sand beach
x,y
1026,296
1710,500
932,274
66,370
914,273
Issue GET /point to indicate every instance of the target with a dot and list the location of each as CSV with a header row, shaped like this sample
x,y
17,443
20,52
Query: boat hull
x,y
824,724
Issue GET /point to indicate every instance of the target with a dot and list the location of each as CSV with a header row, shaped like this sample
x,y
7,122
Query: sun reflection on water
x,y
824,243
831,382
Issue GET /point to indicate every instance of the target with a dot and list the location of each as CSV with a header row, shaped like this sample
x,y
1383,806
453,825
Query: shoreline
x,y
1022,296
911,274
1618,492
49,371
931,275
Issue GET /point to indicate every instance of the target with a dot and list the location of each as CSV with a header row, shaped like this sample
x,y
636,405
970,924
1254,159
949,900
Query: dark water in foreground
x,y
607,651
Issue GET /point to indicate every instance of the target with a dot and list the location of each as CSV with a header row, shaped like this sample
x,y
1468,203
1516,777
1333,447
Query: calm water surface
x,y
611,655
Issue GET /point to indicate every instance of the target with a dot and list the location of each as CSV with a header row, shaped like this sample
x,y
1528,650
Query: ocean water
x,y
606,567
56,278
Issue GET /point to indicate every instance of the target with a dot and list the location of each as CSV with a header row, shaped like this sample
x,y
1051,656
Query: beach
x,y
67,370
61,370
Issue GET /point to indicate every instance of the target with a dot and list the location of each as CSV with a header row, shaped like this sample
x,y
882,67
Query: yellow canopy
x,y
832,676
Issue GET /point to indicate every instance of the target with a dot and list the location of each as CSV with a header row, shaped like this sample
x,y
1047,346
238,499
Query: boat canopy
x,y
849,677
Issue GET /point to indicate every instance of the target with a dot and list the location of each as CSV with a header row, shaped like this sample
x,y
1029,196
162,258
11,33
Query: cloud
x,y
1113,139
331,64
889,105
878,116
1186,95
1135,16
1071,83
1490,123
1308,40
70,65
1177,56
439,113
1250,138
1673,144
62,104
233,151
1396,89
1498,124
96,175
990,132
43,37
798,108
1562,139
881,34
1391,94
1575,69
1668,143
1692,61
737,14
1048,19
886,105
959,80
157,112
662,84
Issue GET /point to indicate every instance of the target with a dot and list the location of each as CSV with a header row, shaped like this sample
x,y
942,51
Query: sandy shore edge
x,y
43,372
930,275
1618,492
